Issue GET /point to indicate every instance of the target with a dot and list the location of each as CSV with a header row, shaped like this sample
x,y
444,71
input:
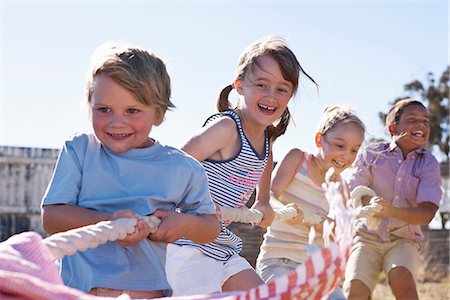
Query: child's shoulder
x,y
430,160
377,146
295,155
180,159
81,140
296,152
221,125
228,118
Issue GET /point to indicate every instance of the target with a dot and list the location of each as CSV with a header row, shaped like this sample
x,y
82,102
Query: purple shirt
x,y
402,182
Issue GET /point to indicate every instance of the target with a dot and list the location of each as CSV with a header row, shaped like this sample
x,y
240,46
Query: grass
x,y
427,290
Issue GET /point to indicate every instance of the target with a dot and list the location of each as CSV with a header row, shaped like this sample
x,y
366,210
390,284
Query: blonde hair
x,y
277,48
338,114
140,72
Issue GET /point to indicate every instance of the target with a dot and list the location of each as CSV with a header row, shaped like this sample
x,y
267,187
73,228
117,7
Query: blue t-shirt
x,y
90,175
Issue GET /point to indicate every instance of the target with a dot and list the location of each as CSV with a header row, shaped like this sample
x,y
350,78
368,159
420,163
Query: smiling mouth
x,y
118,136
339,164
267,108
418,133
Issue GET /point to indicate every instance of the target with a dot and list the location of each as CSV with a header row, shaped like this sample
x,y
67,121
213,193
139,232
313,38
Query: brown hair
x,y
275,47
394,114
140,72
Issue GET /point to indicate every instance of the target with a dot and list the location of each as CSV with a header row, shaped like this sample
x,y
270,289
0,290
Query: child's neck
x,y
318,170
253,132
406,150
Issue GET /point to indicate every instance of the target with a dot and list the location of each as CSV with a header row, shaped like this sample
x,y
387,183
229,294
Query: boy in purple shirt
x,y
406,179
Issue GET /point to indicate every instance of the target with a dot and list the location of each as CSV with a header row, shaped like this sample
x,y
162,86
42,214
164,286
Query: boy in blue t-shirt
x,y
121,172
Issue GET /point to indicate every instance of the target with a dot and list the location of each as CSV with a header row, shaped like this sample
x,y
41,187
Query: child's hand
x,y
268,214
401,136
388,208
298,220
171,227
141,230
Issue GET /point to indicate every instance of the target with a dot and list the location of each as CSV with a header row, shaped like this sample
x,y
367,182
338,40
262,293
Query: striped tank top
x,y
231,183
283,240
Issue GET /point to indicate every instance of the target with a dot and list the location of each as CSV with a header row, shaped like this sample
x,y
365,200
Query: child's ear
x,y
159,118
318,139
391,128
237,85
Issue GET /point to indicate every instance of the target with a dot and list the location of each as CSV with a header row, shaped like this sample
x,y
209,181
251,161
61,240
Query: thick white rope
x,y
246,215
367,211
79,239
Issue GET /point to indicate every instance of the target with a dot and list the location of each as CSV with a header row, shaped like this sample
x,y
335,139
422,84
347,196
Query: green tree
x,y
435,95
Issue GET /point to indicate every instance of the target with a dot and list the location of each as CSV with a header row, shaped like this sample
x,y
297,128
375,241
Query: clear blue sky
x,y
360,52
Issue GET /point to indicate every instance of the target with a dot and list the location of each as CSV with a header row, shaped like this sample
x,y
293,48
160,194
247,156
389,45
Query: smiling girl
x,y
298,179
234,147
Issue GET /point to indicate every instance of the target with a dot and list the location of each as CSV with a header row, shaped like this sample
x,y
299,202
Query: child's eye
x,y
415,121
339,146
283,91
103,109
425,122
133,111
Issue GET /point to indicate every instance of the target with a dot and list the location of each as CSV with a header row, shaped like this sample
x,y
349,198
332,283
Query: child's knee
x,y
401,275
356,289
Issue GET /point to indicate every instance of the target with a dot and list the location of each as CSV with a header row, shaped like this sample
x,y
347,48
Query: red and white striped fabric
x,y
28,271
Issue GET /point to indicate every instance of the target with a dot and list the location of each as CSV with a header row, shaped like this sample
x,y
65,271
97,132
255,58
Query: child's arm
x,y
198,228
218,140
263,194
420,215
285,171
63,217
283,174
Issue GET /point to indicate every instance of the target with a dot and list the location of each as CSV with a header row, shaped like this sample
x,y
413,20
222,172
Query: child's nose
x,y
270,94
116,119
348,157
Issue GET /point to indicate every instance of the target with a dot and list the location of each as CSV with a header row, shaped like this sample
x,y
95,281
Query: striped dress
x,y
231,183
283,240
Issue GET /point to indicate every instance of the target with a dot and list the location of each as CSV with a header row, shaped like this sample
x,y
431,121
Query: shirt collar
x,y
393,145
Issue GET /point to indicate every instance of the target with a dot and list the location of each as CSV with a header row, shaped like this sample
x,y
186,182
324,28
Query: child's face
x,y
120,121
339,146
266,93
413,128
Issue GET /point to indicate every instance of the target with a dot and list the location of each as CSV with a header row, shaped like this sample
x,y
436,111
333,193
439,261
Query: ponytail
x,y
222,103
280,128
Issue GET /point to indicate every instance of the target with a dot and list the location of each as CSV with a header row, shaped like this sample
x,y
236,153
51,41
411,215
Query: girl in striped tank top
x,y
234,147
298,179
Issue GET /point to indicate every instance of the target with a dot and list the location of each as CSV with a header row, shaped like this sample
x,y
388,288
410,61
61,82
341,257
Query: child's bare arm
x,y
263,195
198,228
420,215
285,171
218,140
63,217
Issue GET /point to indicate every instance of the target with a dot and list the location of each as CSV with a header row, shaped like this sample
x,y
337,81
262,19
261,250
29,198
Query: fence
x,y
24,176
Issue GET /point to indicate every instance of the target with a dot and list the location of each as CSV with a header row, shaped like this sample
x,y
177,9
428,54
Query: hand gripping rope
x,y
246,215
80,239
367,211
315,279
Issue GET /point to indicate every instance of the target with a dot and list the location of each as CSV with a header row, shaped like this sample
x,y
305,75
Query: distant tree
x,y
435,96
